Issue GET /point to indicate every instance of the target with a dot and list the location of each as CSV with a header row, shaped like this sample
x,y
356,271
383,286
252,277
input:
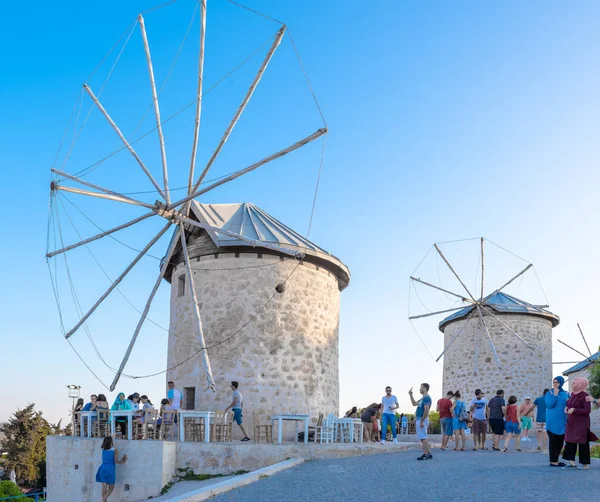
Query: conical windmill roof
x,y
252,222
504,304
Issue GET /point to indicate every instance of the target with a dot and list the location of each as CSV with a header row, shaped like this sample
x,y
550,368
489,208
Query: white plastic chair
x,y
326,432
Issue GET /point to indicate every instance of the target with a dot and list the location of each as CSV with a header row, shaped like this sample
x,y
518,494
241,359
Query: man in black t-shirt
x,y
367,419
496,415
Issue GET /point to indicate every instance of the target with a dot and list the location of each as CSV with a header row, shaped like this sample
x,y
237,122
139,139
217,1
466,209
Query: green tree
x,y
595,380
25,444
9,489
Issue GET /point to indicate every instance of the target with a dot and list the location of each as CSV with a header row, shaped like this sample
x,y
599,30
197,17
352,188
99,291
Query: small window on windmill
x,y
181,285
190,397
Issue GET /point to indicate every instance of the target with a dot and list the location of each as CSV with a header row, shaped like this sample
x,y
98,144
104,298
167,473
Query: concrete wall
x,y
524,371
286,359
72,463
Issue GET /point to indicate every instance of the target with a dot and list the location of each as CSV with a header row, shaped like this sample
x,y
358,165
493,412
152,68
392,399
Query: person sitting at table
x,y
134,400
146,405
79,405
88,407
100,404
353,413
165,405
121,404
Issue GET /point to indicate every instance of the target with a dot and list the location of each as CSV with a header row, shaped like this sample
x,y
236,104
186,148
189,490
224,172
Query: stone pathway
x,y
450,475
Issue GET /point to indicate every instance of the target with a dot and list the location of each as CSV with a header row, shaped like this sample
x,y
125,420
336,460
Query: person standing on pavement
x,y
578,434
459,421
444,407
556,420
422,418
389,404
539,403
526,412
236,407
511,412
496,414
367,417
478,408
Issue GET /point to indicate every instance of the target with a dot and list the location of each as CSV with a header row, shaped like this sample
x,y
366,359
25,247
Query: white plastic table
x,y
122,413
86,415
295,418
206,415
351,422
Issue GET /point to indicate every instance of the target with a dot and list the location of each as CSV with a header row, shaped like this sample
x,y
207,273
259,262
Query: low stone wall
x,y
72,463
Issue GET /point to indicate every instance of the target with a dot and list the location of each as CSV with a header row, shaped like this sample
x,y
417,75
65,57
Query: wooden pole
x,y
119,279
515,277
476,368
196,309
98,187
482,270
489,336
509,328
161,139
161,275
584,340
241,108
436,313
453,271
199,94
254,166
442,289
103,234
100,195
125,142
456,335
296,254
575,350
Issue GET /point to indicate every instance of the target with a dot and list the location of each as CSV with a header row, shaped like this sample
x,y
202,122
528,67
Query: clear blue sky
x,y
447,120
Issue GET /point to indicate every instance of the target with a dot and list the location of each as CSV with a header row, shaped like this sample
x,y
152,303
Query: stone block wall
x,y
285,358
524,371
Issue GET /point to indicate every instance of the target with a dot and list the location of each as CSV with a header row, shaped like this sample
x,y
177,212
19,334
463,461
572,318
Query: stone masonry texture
x,y
285,359
470,364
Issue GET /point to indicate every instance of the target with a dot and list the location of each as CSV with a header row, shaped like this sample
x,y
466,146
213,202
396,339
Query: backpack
x,y
463,415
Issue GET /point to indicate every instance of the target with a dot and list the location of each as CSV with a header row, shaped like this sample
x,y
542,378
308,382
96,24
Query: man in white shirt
x,y
389,404
174,395
480,410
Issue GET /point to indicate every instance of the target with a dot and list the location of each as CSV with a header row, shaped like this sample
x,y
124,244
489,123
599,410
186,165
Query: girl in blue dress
x,y
107,471
458,425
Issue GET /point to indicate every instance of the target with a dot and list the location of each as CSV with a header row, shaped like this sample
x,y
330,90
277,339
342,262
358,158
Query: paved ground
x,y
450,475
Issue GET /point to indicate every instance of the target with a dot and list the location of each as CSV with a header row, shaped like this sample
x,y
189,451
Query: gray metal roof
x,y
582,365
505,304
252,222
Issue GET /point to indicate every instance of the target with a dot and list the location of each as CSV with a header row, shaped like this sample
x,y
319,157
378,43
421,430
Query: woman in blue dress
x,y
458,425
107,471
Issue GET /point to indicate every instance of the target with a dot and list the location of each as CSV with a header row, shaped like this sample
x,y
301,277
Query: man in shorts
x,y
444,405
236,407
540,420
496,414
478,408
422,418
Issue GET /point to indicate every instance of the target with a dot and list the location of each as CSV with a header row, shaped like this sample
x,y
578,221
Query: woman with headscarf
x,y
121,404
578,432
556,419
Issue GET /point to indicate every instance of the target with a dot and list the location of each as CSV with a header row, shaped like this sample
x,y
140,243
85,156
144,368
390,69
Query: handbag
x,y
463,416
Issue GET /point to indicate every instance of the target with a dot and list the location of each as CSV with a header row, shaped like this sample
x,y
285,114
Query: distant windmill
x,y
519,336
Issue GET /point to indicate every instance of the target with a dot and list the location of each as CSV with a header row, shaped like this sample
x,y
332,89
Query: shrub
x,y
9,489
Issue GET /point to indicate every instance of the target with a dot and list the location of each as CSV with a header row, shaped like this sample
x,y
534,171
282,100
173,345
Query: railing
x,y
37,497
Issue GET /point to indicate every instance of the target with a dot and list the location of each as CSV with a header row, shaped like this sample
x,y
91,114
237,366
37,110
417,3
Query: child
x,y
513,418
108,469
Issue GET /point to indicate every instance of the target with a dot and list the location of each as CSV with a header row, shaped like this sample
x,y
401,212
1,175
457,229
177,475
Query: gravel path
x,y
450,475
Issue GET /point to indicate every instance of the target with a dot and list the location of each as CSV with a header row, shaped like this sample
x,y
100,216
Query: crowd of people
x,y
559,418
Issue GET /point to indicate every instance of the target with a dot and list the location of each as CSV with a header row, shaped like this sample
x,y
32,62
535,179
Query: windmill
x,y
496,318
175,213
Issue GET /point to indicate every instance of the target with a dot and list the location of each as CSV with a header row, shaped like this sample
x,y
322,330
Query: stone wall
x,y
524,371
285,359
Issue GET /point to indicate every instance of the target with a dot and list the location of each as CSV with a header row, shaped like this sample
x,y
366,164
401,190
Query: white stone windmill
x,y
176,213
518,353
